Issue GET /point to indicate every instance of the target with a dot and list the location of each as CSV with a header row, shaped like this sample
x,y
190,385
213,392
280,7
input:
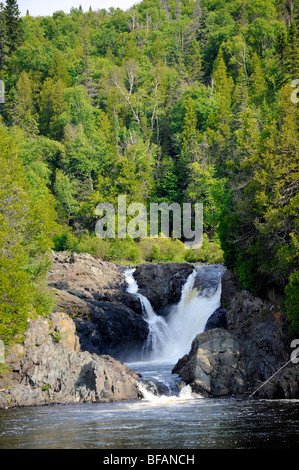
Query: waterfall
x,y
169,340
189,317
158,328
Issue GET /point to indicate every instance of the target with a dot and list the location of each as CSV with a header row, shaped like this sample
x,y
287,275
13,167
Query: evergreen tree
x,y
219,132
240,100
13,24
203,32
258,85
3,38
194,61
292,52
281,49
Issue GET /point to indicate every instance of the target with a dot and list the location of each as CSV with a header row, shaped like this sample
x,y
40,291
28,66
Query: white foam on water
x,y
150,399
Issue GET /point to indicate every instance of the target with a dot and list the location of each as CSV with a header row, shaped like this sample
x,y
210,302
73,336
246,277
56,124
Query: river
x,y
165,422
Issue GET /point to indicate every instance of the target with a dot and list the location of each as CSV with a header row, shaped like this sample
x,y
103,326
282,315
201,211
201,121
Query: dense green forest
x,y
170,101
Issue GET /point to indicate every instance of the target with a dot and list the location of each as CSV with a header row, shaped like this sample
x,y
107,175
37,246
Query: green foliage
x,y
210,252
129,251
27,226
162,250
164,102
13,24
291,302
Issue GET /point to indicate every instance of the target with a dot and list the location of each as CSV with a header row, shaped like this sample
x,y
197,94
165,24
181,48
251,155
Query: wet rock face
x,y
207,279
51,368
230,287
162,283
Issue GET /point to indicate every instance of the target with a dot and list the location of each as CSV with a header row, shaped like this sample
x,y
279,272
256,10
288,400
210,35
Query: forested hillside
x,y
170,101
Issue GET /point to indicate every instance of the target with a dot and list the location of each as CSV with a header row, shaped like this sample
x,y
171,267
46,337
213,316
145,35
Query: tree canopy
x,y
171,101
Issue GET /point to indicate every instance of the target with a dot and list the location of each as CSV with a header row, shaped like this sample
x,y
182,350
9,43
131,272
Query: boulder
x,y
114,329
162,283
217,319
53,369
83,273
207,279
214,366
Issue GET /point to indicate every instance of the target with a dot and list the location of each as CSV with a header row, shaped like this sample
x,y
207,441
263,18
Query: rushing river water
x,y
166,422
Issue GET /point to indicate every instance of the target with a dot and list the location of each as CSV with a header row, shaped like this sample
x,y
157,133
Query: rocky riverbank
x,y
250,346
50,367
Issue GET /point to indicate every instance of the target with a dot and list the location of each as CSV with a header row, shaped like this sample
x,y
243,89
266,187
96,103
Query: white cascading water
x,y
158,328
189,317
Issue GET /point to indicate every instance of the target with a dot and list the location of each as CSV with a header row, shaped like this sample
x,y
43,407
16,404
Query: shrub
x,y
210,252
291,302
162,249
93,245
124,250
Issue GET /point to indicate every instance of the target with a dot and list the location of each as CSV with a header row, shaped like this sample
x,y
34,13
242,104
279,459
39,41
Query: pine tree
x,y
3,38
292,52
281,48
240,103
13,24
203,31
194,62
223,87
258,86
219,132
